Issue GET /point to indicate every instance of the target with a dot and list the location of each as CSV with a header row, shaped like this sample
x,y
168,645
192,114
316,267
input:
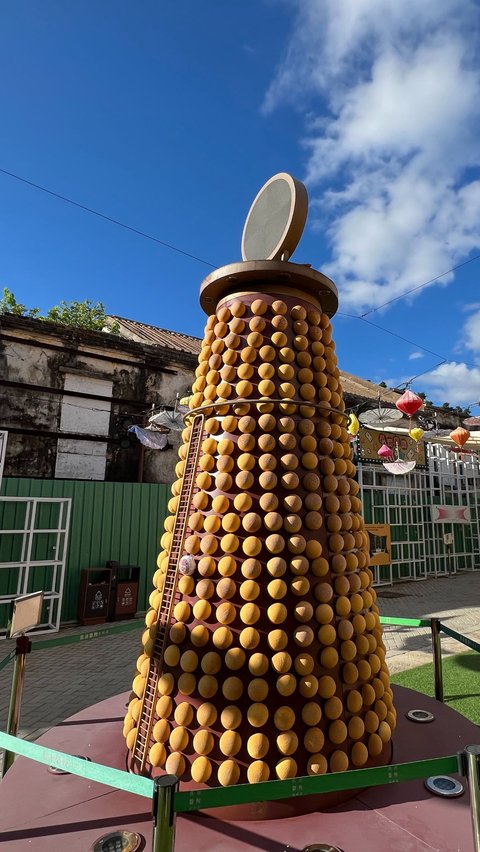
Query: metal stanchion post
x,y
471,765
437,658
164,790
23,647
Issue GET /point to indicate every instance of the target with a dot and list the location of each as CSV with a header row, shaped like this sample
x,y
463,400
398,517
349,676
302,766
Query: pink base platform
x,y
48,812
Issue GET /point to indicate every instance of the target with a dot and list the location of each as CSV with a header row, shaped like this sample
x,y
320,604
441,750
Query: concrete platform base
x,y
48,812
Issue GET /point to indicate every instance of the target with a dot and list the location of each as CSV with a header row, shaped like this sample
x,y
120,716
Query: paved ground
x,y
62,681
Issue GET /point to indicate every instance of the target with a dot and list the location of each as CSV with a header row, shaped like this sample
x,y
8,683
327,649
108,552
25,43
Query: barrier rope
x,y
307,785
470,643
239,794
405,622
88,635
107,775
7,659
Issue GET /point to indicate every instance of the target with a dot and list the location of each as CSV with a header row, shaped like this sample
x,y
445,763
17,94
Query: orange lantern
x,y
460,436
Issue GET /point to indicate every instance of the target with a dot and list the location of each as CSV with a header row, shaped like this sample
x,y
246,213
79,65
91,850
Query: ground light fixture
x,y
320,847
443,785
120,840
420,716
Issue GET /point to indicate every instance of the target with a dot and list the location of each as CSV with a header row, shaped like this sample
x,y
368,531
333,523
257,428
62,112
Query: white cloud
x,y
414,356
391,152
453,382
471,332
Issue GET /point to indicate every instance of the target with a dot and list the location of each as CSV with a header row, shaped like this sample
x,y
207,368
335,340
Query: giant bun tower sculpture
x,y
263,655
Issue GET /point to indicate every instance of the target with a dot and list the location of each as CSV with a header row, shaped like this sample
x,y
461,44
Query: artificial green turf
x,y
461,683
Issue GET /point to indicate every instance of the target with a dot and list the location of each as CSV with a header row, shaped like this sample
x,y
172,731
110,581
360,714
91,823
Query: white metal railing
x,y
404,502
30,567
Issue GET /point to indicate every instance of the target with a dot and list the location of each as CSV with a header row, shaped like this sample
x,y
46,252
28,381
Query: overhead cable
x,y
106,218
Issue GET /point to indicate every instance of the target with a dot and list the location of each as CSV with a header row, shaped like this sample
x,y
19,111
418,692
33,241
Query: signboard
x,y
372,439
450,514
380,545
3,452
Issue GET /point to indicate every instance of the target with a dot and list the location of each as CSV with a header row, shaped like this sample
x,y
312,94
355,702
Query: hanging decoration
x,y
151,438
416,434
460,437
353,425
380,416
399,467
409,403
386,452
172,419
392,461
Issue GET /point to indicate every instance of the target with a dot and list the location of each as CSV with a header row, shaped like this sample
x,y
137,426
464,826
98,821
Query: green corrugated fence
x,y
122,521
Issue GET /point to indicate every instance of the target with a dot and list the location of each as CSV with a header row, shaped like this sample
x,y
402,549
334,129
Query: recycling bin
x,y
94,595
124,594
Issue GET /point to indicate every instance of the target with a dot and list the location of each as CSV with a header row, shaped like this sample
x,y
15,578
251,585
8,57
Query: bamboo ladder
x,y
169,598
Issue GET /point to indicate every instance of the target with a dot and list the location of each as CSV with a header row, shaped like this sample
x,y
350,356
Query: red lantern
x,y
460,436
409,403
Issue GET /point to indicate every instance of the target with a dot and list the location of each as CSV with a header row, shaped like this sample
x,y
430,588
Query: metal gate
x,y
405,503
33,548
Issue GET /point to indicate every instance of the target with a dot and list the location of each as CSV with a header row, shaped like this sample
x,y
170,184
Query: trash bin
x,y
124,594
94,595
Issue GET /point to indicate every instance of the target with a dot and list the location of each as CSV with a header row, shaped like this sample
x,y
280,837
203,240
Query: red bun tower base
x,y
42,811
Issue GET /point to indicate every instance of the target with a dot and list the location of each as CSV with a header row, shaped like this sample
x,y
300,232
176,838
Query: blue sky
x,y
169,117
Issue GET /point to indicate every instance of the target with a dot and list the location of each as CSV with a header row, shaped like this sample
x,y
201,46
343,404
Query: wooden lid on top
x,y
261,275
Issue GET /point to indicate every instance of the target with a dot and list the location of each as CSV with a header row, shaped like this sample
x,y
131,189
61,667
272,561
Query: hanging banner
x,y
372,439
450,514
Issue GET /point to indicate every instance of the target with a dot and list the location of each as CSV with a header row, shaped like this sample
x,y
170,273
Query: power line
x,y
393,334
405,340
170,246
425,372
419,286
107,218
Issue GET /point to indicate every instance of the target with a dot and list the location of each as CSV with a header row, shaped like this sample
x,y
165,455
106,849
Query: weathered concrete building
x,y
68,397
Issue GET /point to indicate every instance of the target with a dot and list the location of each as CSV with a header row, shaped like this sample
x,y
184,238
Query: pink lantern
x,y
385,452
409,403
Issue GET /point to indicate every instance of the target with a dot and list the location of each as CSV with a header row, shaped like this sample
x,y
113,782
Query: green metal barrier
x,y
405,622
167,801
309,785
88,635
7,659
116,778
76,638
265,791
470,643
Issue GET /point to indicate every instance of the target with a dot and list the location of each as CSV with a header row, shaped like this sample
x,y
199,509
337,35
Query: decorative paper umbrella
x,y
409,403
392,462
379,416
172,419
398,467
